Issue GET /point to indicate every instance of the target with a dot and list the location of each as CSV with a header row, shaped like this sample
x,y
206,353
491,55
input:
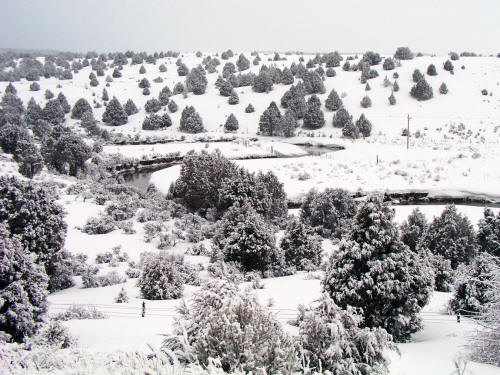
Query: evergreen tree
x,y
152,106
114,114
48,95
395,86
288,124
314,117
448,66
422,90
332,340
364,126
263,82
156,122
191,121
79,108
301,249
374,271
231,124
142,70
243,63
33,112
10,136
417,75
431,70
333,102
488,234
105,96
53,112
330,72
287,77
10,89
161,277
117,73
471,291
64,103
182,70
162,68
228,69
233,98
452,236
350,130
388,64
23,289
144,83
69,154
178,88
341,118
269,120
366,102
294,99
443,89
249,108
392,99
34,86
372,58
89,123
413,229
313,83
41,129
29,158
172,106
130,108
403,53
367,87
30,212
196,81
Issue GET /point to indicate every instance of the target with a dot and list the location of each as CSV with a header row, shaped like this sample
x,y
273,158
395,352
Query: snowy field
x,y
456,154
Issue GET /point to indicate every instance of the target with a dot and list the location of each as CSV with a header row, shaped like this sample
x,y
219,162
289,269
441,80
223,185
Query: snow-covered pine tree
x,y
300,247
488,234
341,118
64,102
364,125
130,108
33,112
53,112
23,288
413,229
333,102
79,108
114,114
161,277
231,123
269,120
191,121
375,271
314,118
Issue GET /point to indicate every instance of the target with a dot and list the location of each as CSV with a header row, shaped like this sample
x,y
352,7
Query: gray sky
x,y
434,26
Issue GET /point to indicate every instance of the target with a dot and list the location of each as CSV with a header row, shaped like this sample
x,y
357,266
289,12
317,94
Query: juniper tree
x,y
152,106
79,108
172,106
431,70
161,277
114,114
301,249
341,117
231,123
392,99
294,99
196,81
269,120
53,112
117,73
376,272
263,82
10,136
249,108
142,70
388,64
144,83
35,86
288,124
366,102
443,89
395,86
403,53
313,83
488,235
413,229
156,122
191,121
242,63
33,112
105,96
333,102
23,289
448,66
364,126
178,88
29,158
130,107
233,98
422,90
182,70
314,117
287,77
417,75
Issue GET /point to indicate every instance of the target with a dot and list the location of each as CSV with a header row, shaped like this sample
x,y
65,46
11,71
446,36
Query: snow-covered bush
x,y
332,339
122,297
473,284
300,247
231,123
55,336
91,280
191,121
114,114
329,213
314,118
79,312
341,118
230,326
366,102
422,90
161,276
375,271
98,225
403,53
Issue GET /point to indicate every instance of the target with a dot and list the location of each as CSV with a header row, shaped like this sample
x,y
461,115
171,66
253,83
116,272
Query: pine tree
x,y
161,277
448,66
341,118
417,75
366,102
117,73
392,99
23,289
231,123
287,77
313,83
294,99
431,70
53,112
350,130
333,102
130,108
48,95
64,103
156,122
269,120
299,246
471,291
403,53
105,96
172,106
374,271
10,136
178,88
122,297
79,108
29,158
263,82
144,83
488,234
413,229
364,126
114,114
395,86
243,63
249,108
422,90
288,124
152,106
233,98
191,121
142,70
196,81
33,112
10,89
330,72
388,64
452,236
367,87
443,89
314,117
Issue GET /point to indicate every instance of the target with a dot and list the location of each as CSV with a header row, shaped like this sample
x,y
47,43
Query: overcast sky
x,y
433,26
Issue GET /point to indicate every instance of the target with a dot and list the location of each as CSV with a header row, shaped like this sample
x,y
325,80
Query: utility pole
x,y
408,133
